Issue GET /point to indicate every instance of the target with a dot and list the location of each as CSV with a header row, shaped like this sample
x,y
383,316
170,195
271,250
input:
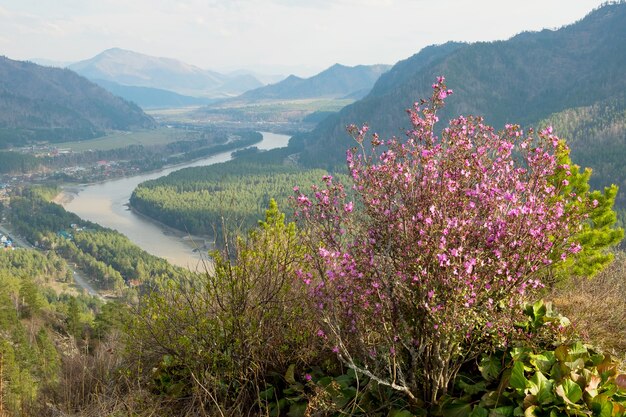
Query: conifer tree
x,y
598,233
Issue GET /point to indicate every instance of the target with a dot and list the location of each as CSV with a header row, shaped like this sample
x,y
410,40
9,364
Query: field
x,y
245,112
117,140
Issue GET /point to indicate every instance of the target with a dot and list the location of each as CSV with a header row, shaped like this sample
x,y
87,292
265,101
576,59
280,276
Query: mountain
x,y
49,62
337,81
522,80
263,77
597,137
135,69
54,104
152,98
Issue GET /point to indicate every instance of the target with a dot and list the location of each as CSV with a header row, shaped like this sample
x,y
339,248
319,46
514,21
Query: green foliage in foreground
x,y
533,380
201,200
528,379
232,329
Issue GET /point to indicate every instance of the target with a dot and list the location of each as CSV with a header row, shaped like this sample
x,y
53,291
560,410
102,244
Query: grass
x,y
118,140
597,307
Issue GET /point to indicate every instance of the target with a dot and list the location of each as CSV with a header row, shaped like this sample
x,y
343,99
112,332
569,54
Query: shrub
x,y
219,340
447,235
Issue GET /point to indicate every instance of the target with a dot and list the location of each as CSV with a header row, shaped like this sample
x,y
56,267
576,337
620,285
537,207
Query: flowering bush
x,y
447,234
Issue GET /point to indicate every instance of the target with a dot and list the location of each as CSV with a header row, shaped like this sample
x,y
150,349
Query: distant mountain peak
x,y
337,81
131,68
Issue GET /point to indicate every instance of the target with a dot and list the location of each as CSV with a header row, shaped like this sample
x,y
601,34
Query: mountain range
x,y
301,102
130,68
53,104
338,81
524,80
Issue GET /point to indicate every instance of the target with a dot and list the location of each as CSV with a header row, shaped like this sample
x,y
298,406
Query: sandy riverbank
x,y
64,197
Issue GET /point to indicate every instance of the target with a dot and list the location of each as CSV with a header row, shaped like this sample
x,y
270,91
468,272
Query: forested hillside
x,y
597,136
41,333
202,200
52,104
524,80
108,257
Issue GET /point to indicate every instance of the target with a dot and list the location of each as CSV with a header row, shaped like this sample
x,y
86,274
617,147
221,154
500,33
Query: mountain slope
x,y
135,69
42,103
150,98
597,137
335,82
522,80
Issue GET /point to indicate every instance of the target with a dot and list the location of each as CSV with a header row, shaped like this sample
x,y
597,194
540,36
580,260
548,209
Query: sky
x,y
301,37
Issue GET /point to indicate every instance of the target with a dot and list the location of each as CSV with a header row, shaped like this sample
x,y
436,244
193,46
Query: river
x,y
106,203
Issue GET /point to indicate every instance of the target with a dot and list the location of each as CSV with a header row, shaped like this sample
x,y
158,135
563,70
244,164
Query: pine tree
x,y
599,233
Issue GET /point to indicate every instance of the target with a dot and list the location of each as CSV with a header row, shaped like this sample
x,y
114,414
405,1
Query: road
x,y
78,279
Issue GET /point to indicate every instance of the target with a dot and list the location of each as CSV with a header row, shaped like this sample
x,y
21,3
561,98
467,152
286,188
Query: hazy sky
x,y
280,36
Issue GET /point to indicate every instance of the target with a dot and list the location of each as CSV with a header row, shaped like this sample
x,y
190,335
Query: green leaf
x,y
518,380
569,391
578,350
597,358
561,353
267,394
490,399
541,387
601,406
490,367
325,381
530,411
290,374
456,408
344,381
505,411
576,365
479,411
297,410
544,361
472,389
539,311
520,353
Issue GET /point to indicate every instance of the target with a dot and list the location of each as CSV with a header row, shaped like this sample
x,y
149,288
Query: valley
x,y
439,237
106,203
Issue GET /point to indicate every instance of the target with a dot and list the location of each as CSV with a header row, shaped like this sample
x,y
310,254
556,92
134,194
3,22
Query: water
x,y
106,203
